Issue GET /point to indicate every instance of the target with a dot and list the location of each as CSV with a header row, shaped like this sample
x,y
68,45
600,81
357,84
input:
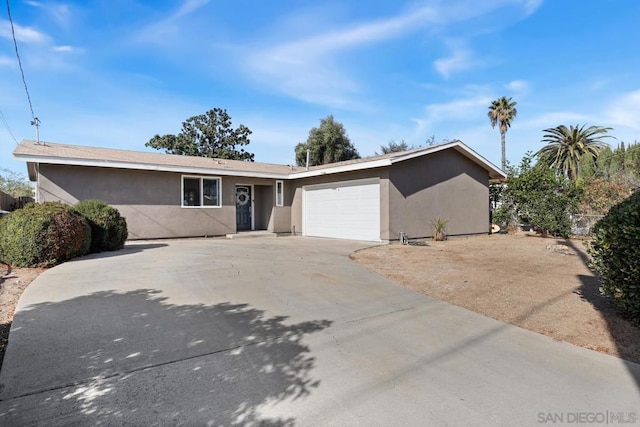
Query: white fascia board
x,y
150,167
344,168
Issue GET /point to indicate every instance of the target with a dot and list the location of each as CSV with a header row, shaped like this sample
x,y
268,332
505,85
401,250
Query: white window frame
x,y
280,195
201,178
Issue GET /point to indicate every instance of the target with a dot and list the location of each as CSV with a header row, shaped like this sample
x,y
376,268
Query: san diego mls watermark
x,y
599,418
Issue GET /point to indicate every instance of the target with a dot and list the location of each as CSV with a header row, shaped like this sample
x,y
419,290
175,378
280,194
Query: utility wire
x,y
15,44
6,125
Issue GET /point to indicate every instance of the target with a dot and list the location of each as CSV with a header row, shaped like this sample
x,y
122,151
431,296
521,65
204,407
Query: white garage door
x,y
343,210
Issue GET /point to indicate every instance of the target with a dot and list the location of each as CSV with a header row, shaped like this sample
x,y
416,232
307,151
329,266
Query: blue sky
x,y
113,73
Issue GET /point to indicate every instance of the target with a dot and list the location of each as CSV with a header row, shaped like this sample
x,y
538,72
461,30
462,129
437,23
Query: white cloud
x,y
61,13
7,61
553,119
62,48
165,30
518,86
461,109
310,67
461,59
531,6
309,70
188,7
625,110
23,34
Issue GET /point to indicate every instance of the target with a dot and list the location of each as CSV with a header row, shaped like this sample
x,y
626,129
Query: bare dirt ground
x,y
13,281
540,284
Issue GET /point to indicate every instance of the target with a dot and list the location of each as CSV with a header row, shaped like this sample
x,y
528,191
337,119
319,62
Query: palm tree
x,y
566,145
502,111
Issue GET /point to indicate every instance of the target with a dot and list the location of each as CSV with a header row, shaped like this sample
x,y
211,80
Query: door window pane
x,y
279,193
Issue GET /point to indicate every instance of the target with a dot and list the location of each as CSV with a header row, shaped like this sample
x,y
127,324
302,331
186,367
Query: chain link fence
x,y
583,224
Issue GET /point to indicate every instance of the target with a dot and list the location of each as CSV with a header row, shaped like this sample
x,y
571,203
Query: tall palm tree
x,y
502,111
566,145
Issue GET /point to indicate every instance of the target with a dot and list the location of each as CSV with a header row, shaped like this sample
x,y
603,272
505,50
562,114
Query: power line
x,y
6,125
35,121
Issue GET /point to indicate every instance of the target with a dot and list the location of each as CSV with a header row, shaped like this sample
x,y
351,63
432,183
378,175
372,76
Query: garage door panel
x,y
346,210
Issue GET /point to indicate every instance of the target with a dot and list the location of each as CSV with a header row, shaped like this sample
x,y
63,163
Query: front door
x,y
243,207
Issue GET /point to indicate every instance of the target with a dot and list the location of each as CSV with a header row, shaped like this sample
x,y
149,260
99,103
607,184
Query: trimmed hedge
x,y
43,235
108,228
615,250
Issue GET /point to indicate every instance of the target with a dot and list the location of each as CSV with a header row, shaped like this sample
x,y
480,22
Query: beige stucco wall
x,y
150,200
443,184
412,194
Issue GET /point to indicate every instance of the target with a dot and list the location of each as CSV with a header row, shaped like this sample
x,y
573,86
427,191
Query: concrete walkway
x,y
284,331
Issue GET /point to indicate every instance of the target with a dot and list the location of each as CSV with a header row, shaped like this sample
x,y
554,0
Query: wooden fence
x,y
10,203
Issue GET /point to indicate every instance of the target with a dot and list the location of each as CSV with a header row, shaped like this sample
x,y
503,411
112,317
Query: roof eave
x,y
30,159
342,168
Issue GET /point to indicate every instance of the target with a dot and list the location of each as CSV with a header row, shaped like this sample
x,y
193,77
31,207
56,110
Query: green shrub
x,y
615,250
108,228
43,235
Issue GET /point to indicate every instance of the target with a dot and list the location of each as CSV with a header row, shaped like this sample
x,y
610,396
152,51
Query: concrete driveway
x,y
284,331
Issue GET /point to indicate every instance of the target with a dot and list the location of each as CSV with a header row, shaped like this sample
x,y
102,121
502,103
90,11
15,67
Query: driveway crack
x,y
373,316
127,371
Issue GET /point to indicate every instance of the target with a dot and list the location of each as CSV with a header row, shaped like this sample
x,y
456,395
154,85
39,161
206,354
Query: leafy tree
x,y
601,194
534,194
567,145
207,135
502,111
15,184
327,143
394,147
621,162
632,160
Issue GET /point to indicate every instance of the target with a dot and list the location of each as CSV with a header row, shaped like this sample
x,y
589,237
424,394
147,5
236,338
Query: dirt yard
x,y
543,285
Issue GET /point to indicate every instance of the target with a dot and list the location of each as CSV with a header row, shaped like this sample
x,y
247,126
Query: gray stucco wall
x,y
150,200
444,184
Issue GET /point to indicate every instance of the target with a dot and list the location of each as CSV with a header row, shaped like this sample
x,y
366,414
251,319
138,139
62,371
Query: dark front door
x,y
243,207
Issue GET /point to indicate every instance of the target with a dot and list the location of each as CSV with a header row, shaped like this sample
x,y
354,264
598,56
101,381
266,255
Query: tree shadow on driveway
x,y
133,358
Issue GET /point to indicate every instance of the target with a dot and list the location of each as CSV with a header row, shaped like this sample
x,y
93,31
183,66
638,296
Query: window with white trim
x,y
279,193
201,191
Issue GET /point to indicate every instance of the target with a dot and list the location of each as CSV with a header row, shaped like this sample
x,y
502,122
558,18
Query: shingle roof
x,y
48,152
110,155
